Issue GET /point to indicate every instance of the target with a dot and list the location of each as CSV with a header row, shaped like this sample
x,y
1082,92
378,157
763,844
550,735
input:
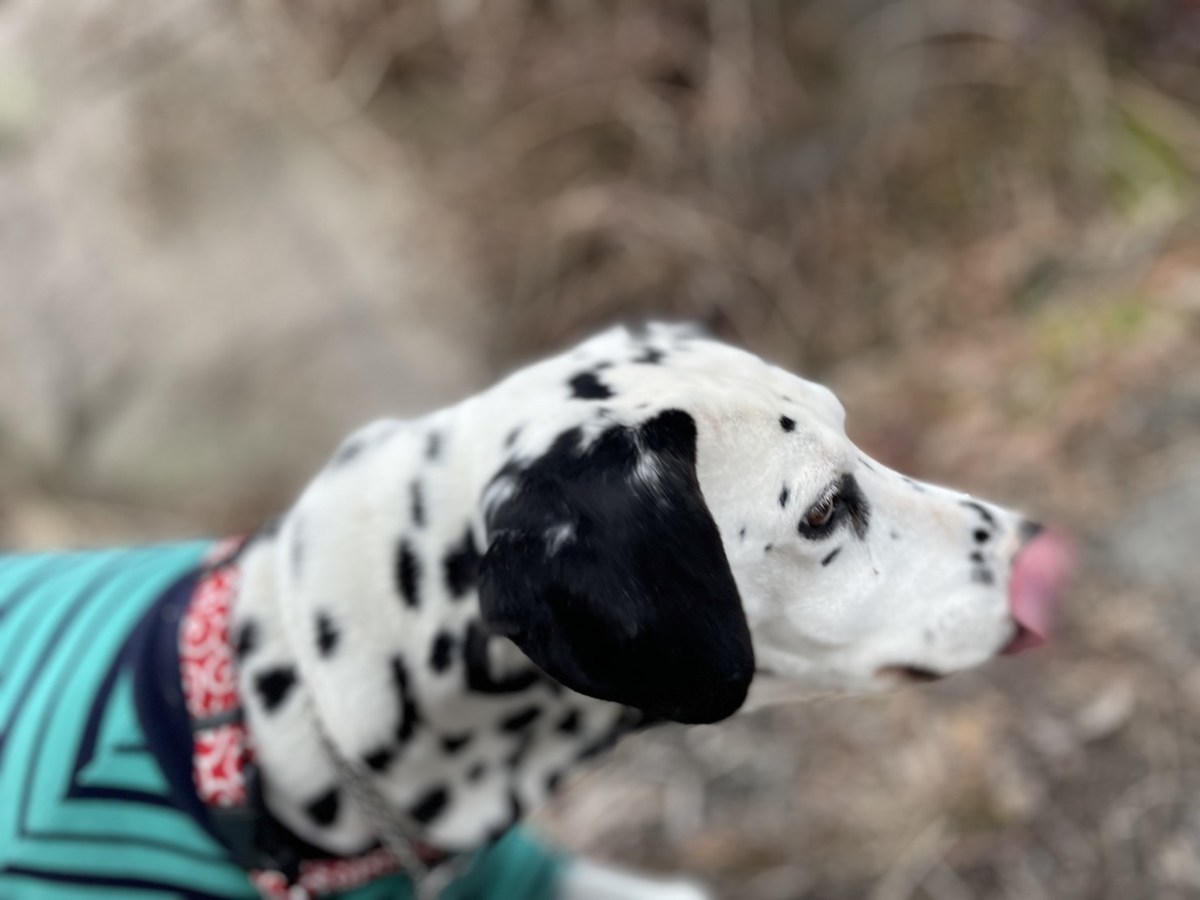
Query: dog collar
x,y
224,772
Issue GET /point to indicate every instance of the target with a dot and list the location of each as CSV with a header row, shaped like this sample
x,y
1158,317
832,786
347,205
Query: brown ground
x,y
977,222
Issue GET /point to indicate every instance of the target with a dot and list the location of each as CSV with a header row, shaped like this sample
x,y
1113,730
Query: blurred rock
x,y
203,288
1154,540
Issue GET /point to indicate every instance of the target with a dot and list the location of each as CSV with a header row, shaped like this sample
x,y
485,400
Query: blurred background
x,y
232,231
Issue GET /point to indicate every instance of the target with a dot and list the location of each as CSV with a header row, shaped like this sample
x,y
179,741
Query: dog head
x,y
701,518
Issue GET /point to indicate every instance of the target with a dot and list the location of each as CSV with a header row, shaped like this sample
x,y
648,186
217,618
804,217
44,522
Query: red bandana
x,y
222,748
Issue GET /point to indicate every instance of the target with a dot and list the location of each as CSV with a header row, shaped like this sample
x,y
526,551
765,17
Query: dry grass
x,y
978,222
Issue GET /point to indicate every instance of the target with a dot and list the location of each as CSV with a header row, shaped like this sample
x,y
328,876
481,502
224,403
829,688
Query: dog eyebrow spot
x,y
586,386
347,452
787,423
783,496
984,512
408,573
829,557
274,685
324,809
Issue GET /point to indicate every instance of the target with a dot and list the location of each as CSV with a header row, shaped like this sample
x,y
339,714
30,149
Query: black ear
x,y
605,567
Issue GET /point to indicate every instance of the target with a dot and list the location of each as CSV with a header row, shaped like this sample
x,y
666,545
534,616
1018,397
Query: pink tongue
x,y
1039,575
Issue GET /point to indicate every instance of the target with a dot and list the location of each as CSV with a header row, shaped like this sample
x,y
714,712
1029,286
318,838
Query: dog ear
x,y
606,568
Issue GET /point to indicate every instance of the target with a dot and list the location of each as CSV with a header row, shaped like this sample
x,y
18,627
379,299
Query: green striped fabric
x,y
84,807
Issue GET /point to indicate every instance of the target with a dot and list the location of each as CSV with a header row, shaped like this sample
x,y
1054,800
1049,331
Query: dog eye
x,y
820,514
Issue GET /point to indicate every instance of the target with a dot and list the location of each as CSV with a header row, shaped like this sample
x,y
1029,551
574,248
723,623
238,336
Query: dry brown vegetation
x,y
978,222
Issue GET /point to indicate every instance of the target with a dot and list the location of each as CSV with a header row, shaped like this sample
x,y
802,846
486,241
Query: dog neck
x,y
359,634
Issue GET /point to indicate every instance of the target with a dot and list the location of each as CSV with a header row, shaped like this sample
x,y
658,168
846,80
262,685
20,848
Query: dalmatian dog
x,y
464,608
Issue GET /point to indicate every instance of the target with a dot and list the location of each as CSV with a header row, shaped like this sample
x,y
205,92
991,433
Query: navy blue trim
x,y
59,877
153,652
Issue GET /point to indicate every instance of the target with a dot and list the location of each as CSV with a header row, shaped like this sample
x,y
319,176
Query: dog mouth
x,y
909,674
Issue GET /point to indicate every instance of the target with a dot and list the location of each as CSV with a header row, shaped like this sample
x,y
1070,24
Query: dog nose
x,y
1040,573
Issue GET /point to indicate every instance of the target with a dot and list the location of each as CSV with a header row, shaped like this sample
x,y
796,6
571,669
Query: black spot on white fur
x,y
379,760
783,497
476,772
274,685
520,720
516,809
245,639
347,452
408,573
430,805
324,809
568,724
462,566
983,576
416,499
410,716
442,653
433,446
479,676
327,634
586,386
651,356
787,423
831,556
454,743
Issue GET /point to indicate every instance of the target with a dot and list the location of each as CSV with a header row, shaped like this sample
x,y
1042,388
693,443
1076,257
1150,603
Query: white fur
x,y
900,596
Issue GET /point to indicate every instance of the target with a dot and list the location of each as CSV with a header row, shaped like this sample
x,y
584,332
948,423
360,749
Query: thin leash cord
x,y
394,829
